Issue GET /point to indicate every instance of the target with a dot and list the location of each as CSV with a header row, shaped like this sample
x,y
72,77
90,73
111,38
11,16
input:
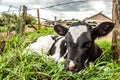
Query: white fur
x,y
42,45
77,31
56,56
63,57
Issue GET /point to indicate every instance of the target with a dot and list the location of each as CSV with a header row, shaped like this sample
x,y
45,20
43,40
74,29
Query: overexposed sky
x,y
79,10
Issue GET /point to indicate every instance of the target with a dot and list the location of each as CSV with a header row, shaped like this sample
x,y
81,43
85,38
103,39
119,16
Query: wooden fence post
x,y
9,8
116,32
38,15
24,15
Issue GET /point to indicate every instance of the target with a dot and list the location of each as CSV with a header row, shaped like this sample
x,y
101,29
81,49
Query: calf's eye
x,y
87,45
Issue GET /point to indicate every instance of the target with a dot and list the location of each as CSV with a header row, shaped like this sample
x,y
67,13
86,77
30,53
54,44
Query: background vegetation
x,y
16,66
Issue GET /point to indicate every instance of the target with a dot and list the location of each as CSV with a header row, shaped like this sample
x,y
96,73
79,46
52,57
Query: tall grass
x,y
15,66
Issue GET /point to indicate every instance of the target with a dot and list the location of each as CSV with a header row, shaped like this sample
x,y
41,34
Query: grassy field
x,y
15,66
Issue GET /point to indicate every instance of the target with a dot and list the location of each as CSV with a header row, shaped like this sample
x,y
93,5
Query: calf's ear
x,y
61,30
103,29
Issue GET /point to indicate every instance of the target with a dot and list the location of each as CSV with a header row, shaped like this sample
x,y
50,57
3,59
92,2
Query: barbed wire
x,y
60,4
43,19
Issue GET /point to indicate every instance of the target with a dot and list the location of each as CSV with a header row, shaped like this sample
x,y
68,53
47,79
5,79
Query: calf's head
x,y
79,40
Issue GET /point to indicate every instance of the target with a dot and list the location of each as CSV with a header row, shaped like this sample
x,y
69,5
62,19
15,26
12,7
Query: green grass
x,y
15,66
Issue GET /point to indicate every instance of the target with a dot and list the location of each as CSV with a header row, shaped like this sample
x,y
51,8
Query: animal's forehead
x,y
77,31
78,28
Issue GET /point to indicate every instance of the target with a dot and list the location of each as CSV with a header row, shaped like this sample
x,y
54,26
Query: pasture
x,y
15,66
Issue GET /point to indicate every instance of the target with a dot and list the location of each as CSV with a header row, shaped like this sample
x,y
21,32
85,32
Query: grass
x,y
15,66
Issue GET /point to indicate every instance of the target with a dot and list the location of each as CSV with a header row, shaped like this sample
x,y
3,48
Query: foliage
x,y
16,66
8,21
30,20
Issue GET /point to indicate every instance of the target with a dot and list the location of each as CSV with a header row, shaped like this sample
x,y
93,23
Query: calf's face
x,y
79,40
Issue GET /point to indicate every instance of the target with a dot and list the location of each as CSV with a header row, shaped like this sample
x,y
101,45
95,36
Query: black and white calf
x,y
76,44
79,39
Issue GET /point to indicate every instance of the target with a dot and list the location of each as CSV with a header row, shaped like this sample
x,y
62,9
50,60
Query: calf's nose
x,y
70,66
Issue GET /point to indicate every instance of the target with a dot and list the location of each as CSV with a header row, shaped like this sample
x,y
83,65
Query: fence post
x,y
116,32
24,15
9,8
8,20
38,14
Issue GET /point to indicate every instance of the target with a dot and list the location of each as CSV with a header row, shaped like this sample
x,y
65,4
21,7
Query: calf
x,y
79,39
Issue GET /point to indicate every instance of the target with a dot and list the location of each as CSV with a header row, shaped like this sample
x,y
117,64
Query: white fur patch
x,y
56,56
63,57
42,45
77,31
